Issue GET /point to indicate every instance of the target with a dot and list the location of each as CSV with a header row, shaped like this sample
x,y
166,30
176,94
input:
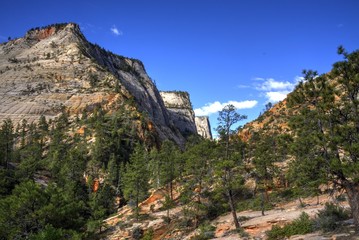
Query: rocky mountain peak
x,y
179,105
203,126
47,31
55,66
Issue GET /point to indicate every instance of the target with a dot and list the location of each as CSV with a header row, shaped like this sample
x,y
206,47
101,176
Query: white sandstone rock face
x,y
56,66
203,126
181,112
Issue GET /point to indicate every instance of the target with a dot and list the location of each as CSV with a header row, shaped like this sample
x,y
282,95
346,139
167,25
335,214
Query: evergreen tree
x,y
136,177
7,139
199,172
264,157
227,165
166,165
228,117
20,212
329,118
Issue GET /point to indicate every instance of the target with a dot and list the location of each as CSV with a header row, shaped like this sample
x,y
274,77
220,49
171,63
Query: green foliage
x,y
7,181
327,135
49,232
198,166
148,235
136,177
137,233
255,204
93,78
329,218
61,202
7,139
301,225
229,157
228,116
206,232
21,212
166,165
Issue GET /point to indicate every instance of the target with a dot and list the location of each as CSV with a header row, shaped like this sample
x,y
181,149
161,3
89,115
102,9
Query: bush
x,y
254,204
328,218
206,232
137,233
148,234
49,232
301,225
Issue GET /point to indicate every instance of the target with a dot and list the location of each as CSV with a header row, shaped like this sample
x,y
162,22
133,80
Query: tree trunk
x,y
262,203
233,209
300,202
352,190
171,190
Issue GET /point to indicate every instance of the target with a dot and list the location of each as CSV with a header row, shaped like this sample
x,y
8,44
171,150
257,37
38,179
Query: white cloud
x,y
116,31
276,96
211,108
271,84
275,90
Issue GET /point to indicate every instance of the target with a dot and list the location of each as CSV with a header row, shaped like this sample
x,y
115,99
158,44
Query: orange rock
x,y
81,131
150,126
96,185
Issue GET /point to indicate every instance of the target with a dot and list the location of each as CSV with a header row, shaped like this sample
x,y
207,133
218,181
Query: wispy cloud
x,y
217,106
243,86
258,79
116,31
89,28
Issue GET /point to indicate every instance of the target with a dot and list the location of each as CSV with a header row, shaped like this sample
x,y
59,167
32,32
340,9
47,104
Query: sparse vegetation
x,y
329,219
302,225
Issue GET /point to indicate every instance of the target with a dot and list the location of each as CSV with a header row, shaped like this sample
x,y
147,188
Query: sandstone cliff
x,y
203,126
180,109
55,67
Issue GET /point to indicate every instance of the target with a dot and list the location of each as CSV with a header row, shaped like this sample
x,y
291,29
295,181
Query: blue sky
x,y
244,52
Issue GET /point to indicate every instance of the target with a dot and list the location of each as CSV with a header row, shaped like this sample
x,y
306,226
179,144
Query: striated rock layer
x,y
180,109
55,67
203,126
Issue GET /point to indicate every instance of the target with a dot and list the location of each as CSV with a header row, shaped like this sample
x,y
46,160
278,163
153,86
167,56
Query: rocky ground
x,y
254,224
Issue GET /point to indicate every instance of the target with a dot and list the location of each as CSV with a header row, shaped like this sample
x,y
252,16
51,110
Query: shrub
x,y
206,232
254,204
301,225
328,218
148,234
137,233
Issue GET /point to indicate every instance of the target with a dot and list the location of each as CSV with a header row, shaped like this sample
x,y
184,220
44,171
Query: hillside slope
x,y
55,67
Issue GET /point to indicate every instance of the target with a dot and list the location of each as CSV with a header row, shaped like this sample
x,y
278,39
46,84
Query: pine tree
x,y
167,161
328,119
228,117
199,172
7,138
229,160
264,157
135,178
20,212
